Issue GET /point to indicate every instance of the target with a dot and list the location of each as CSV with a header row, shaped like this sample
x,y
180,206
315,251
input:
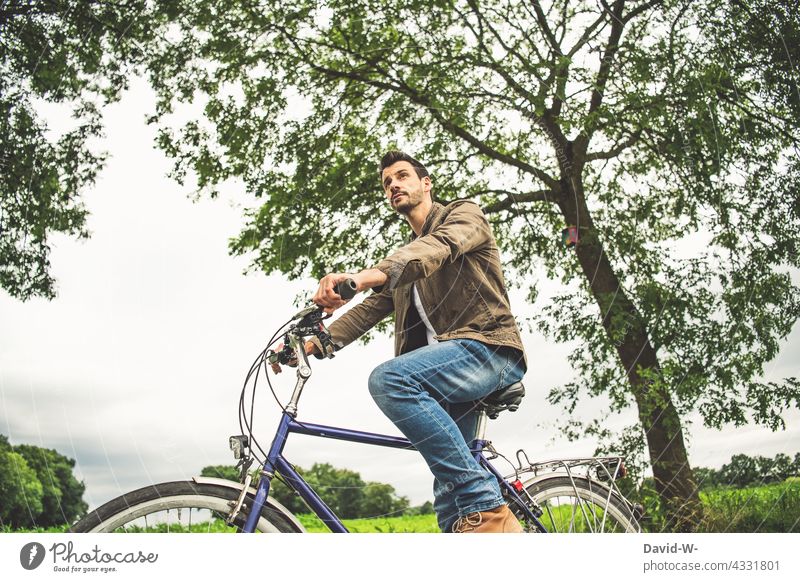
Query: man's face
x,y
404,190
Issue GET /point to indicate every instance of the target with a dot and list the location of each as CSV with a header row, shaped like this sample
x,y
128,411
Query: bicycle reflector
x,y
611,468
238,444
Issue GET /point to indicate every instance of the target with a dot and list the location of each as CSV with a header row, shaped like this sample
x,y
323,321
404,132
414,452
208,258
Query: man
x,y
456,340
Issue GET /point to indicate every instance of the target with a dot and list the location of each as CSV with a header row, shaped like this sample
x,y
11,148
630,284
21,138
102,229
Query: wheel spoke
x,y
579,505
552,519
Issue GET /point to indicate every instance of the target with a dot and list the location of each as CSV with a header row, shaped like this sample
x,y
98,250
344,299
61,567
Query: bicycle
x,y
562,495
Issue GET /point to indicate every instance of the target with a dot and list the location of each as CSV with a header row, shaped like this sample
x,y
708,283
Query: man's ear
x,y
427,185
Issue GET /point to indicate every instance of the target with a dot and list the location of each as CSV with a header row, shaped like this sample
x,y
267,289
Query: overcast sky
x,y
135,369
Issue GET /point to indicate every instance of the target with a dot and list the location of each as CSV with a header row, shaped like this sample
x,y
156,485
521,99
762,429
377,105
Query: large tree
x,y
78,56
665,131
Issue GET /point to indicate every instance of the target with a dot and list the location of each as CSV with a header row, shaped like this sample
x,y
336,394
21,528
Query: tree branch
x,y
513,199
587,35
617,25
481,146
547,121
548,34
618,148
426,102
639,9
493,64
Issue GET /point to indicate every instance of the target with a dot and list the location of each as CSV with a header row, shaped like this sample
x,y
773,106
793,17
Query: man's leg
x,y
409,390
465,415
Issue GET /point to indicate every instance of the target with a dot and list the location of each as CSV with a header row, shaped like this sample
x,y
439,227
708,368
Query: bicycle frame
x,y
277,462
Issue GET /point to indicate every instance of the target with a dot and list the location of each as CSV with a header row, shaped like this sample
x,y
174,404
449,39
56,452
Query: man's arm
x,y
464,230
359,320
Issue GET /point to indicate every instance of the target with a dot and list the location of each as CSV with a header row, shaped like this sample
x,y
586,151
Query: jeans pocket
x,y
513,371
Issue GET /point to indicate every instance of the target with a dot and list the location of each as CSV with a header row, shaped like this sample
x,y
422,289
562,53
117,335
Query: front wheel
x,y
181,507
578,505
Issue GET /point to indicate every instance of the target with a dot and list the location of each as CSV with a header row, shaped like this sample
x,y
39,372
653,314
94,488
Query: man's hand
x,y
310,348
325,296
330,301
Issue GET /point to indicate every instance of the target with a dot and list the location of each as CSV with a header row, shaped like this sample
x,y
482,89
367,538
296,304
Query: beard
x,y
409,203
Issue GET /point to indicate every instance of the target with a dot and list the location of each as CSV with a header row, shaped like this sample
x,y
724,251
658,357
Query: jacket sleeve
x,y
359,320
465,229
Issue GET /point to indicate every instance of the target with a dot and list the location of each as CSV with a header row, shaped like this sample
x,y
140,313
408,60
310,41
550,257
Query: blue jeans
x,y
430,394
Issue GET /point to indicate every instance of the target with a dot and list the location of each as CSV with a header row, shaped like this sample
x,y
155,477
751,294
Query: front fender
x,y
271,501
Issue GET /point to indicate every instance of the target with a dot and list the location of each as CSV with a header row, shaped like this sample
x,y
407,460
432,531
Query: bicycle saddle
x,y
508,398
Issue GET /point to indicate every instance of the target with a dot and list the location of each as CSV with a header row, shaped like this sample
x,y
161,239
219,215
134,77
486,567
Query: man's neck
x,y
416,218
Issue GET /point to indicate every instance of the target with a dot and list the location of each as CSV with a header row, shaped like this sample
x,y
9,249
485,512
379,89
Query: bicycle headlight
x,y
238,444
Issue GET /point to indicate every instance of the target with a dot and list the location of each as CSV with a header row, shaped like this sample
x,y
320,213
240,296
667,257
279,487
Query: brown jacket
x,y
456,267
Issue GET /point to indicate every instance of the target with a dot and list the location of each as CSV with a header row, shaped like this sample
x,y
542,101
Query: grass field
x,y
402,524
768,508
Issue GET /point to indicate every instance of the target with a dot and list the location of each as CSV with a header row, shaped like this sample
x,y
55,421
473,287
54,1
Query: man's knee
x,y
380,381
387,380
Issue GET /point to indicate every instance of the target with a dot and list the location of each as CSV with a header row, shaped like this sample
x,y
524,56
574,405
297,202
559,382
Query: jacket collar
x,y
435,211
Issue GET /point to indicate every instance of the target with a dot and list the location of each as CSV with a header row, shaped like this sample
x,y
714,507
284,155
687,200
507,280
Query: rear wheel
x,y
578,505
180,507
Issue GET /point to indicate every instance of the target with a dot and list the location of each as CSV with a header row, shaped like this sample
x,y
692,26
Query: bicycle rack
x,y
603,469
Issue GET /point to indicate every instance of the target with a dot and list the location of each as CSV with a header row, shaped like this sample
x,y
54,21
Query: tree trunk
x,y
674,478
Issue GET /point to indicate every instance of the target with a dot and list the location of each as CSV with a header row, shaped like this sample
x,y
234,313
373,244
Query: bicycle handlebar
x,y
311,323
347,289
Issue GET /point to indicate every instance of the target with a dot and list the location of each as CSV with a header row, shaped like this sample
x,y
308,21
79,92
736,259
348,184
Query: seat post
x,y
480,429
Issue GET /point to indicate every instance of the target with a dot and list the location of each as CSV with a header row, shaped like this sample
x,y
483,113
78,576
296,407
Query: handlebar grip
x,y
346,289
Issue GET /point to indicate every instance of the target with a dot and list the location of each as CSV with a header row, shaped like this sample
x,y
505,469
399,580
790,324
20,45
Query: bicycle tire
x,y
579,505
125,512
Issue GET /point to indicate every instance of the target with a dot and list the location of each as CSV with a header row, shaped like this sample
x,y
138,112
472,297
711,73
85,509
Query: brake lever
x,y
306,311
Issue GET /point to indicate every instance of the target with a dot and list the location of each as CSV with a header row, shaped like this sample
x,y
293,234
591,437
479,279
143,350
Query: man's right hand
x,y
311,349
327,298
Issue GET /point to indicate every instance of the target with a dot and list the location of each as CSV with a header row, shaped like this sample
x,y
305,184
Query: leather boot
x,y
497,520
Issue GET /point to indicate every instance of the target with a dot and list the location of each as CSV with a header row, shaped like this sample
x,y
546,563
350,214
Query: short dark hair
x,y
394,156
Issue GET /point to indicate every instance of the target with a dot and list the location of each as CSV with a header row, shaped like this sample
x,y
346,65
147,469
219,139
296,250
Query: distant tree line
x,y
37,487
345,492
744,471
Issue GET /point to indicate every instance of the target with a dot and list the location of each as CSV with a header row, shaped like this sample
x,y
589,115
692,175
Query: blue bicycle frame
x,y
277,462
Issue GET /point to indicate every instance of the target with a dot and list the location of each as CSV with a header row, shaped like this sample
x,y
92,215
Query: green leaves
x,y
20,491
37,487
79,55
